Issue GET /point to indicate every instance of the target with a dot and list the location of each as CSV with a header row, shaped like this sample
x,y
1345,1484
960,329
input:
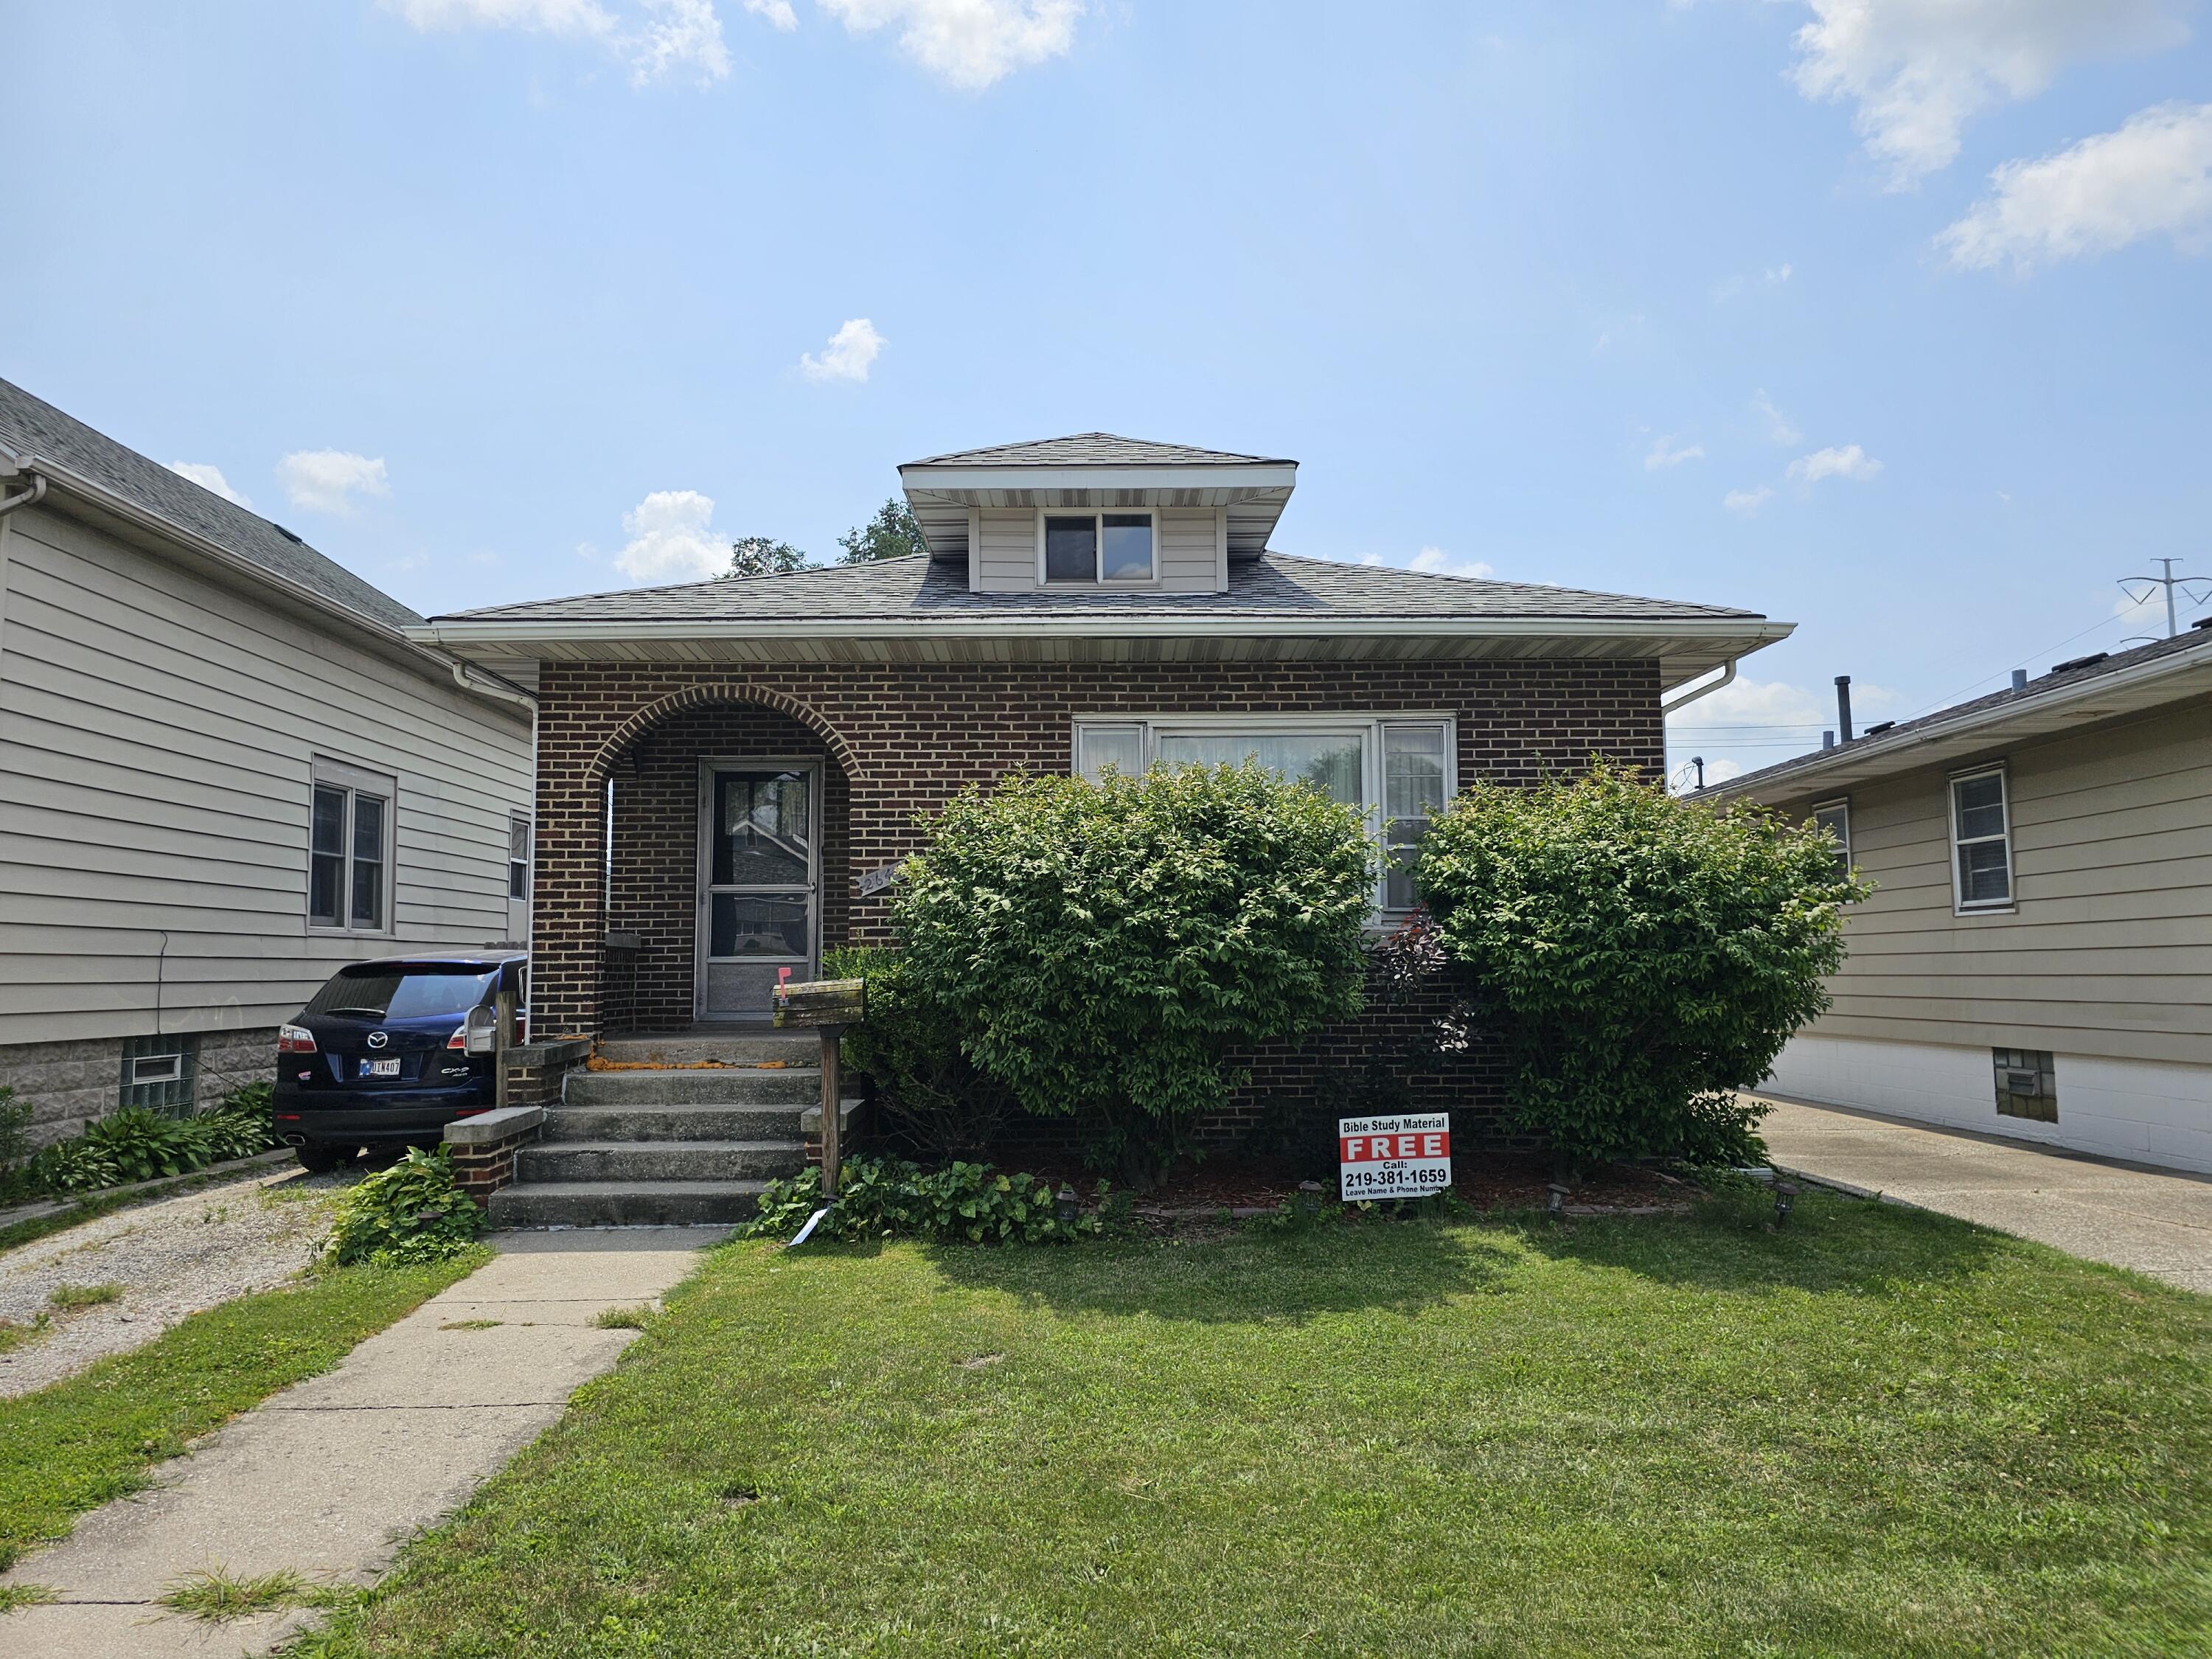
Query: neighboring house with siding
x,y
2036,959
224,770
730,772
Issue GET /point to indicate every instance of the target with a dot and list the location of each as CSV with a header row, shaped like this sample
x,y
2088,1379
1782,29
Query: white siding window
x,y
1097,549
518,856
1835,817
1981,840
350,849
1399,770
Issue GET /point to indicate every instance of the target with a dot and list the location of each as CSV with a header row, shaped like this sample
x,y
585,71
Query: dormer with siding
x,y
1097,513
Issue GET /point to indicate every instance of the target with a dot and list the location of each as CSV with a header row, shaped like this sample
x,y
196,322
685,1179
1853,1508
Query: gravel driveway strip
x,y
170,1259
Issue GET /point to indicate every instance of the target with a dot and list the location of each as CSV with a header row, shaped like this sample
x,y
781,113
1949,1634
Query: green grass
x,y
1877,1432
622,1319
216,1597
77,1444
74,1298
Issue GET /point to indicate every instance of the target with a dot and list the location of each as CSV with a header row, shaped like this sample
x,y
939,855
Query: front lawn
x,y
94,1437
1880,1432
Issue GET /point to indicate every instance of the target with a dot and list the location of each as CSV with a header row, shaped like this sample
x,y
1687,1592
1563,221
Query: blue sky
x,y
1886,317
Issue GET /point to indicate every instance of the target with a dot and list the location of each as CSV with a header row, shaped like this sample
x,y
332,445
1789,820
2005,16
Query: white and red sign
x,y
1405,1157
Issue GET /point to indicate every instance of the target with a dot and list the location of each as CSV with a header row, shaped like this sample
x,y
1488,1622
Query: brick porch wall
x,y
902,738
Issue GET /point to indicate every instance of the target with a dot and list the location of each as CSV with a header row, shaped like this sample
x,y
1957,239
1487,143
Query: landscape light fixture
x,y
1063,1204
1559,1205
1785,1195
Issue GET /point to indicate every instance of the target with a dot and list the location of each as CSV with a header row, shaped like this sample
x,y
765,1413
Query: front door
x,y
759,883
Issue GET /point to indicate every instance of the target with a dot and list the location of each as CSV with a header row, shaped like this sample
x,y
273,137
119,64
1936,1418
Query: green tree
x,y
756,555
891,534
1107,945
1640,958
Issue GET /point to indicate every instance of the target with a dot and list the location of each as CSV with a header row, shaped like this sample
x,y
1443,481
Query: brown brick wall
x,y
902,738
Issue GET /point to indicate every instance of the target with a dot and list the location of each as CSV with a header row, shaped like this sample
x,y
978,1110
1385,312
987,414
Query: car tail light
x,y
459,1040
295,1040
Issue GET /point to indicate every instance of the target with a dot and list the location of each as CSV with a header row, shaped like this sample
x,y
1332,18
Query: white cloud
x,y
672,538
1666,453
1779,426
851,350
2152,178
778,12
1747,705
211,478
968,43
1720,771
1840,461
1920,70
656,38
1747,501
1435,561
1772,276
330,480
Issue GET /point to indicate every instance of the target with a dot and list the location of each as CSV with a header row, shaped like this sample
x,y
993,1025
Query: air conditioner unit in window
x,y
2022,1083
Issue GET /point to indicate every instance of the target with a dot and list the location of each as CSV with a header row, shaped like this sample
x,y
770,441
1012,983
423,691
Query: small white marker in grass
x,y
807,1231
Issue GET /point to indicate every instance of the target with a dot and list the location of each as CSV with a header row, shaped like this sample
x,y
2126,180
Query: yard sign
x,y
1401,1157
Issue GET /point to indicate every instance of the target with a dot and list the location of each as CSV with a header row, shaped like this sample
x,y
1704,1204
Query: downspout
x,y
1728,675
36,493
512,694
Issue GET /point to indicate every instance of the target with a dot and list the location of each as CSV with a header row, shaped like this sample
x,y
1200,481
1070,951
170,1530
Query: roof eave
x,y
1092,475
2032,714
64,483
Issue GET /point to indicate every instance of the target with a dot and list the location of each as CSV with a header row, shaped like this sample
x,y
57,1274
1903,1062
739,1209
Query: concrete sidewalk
x,y
2156,1223
328,1479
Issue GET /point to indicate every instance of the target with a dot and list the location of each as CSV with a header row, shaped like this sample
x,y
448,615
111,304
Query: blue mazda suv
x,y
390,1052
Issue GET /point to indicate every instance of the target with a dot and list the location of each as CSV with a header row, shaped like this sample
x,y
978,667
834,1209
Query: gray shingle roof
x,y
31,426
1096,449
1274,585
2197,638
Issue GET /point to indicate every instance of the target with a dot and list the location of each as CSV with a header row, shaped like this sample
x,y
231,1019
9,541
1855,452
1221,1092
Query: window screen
x,y
1981,834
1071,550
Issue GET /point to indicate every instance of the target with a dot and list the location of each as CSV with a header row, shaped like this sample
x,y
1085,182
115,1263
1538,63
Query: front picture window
x,y
1398,773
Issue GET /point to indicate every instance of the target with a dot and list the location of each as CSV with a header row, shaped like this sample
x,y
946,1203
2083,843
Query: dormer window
x,y
1091,549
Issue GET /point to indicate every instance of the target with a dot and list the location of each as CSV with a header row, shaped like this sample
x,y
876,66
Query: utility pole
x,y
2193,588
1699,760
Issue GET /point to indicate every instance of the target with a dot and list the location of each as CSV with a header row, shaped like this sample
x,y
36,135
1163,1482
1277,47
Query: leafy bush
x,y
15,1146
1639,956
141,1143
1105,945
406,1215
883,1197
242,1124
909,1047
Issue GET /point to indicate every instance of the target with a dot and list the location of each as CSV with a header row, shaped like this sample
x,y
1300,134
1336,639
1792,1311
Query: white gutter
x,y
1105,626
504,688
1894,750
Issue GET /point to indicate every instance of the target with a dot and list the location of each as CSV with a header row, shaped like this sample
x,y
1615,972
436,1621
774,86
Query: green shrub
x,y
241,1125
890,1197
407,1215
1639,956
910,1047
141,1143
14,1148
74,1165
1106,945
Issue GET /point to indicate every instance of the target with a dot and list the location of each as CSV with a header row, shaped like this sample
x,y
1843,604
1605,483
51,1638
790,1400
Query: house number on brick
x,y
1403,1156
875,881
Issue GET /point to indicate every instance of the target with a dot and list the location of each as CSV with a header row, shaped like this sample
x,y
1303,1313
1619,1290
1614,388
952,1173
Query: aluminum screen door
x,y
760,866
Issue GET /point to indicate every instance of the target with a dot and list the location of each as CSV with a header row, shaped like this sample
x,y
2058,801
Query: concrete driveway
x,y
2156,1223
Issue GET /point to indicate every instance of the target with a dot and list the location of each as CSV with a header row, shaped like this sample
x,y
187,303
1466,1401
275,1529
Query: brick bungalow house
x,y
729,770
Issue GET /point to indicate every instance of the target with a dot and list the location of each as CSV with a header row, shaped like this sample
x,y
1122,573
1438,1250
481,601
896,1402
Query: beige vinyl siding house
x,y
218,782
2073,1006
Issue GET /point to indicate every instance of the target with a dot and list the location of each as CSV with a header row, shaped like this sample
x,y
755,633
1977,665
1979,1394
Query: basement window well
x,y
2027,1083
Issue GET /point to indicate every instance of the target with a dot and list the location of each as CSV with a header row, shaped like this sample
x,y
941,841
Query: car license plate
x,y
381,1067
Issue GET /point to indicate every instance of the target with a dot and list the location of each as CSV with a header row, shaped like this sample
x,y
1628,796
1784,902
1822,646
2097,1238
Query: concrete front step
x,y
696,1121
662,1160
624,1203
735,1085
736,1048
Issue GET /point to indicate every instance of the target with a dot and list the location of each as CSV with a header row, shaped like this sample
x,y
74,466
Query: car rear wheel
x,y
322,1159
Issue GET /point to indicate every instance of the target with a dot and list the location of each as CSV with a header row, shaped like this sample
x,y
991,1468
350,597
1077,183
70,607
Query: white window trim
x,y
1373,784
326,773
1840,804
1098,549
526,823
1960,904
